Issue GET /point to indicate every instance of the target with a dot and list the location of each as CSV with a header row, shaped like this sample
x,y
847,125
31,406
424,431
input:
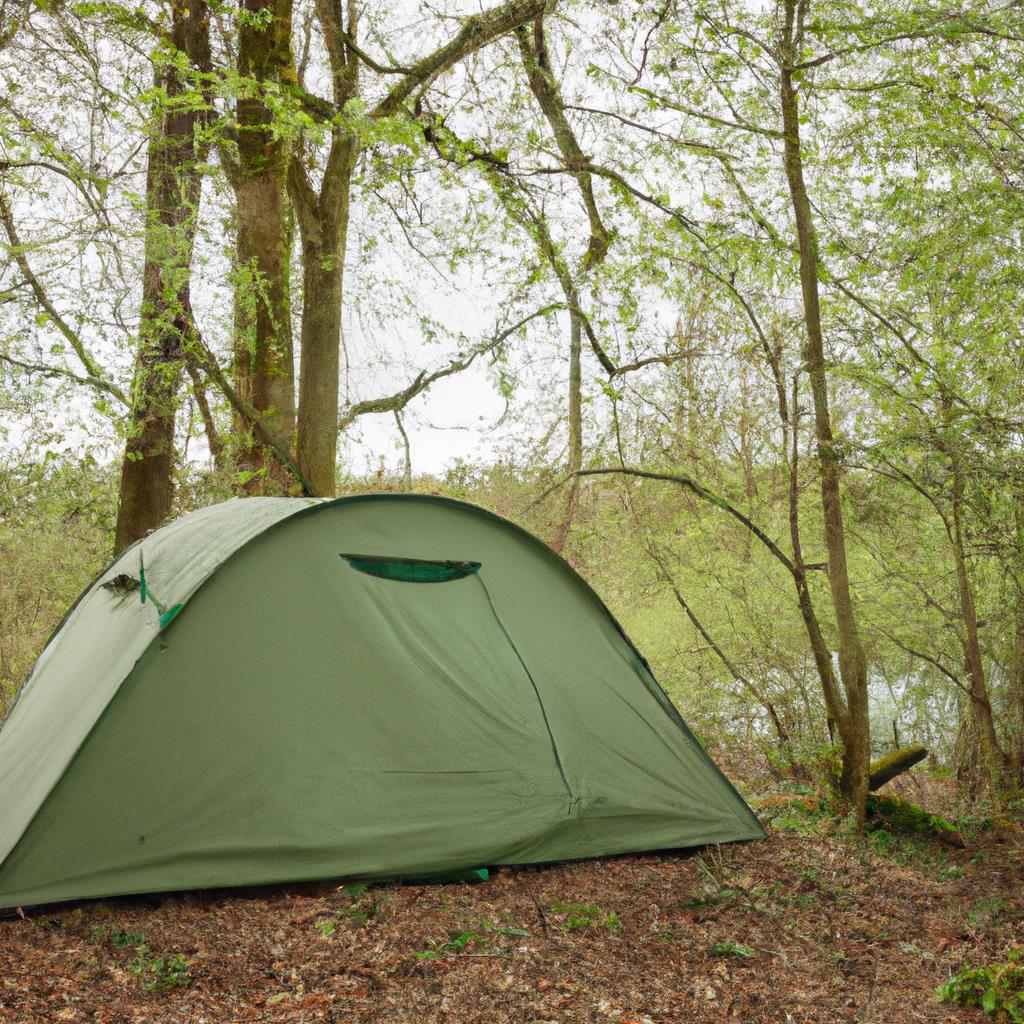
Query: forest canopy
x,y
725,298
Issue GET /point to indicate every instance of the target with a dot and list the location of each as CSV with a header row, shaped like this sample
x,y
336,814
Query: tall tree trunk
x,y
173,188
1016,681
853,723
323,218
264,368
981,705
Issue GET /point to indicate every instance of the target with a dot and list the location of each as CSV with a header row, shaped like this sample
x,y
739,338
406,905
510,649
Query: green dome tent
x,y
282,689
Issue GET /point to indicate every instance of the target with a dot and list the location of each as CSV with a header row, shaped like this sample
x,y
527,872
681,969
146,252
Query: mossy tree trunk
x,y
263,358
173,187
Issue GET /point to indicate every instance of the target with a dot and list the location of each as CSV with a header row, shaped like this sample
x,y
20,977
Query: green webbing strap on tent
x,y
168,616
410,570
471,876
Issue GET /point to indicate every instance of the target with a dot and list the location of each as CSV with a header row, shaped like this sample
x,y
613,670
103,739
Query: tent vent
x,y
410,570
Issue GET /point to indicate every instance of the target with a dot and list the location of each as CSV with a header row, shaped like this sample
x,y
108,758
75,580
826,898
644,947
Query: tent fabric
x,y
300,718
99,641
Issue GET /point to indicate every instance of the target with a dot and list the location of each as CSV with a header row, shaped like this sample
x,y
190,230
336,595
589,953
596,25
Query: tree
x,y
174,176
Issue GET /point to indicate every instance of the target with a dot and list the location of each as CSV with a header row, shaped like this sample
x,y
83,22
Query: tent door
x,y
452,667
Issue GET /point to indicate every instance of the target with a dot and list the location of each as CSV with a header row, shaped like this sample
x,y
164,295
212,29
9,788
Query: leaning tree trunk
x,y
853,723
544,85
173,188
264,369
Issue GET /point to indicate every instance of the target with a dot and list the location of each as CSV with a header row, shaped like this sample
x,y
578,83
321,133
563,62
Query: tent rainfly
x,y
282,689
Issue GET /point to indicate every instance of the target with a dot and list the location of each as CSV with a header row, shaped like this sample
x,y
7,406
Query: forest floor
x,y
813,924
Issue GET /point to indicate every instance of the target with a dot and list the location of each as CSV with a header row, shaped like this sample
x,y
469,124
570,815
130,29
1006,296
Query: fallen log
x,y
887,768
896,815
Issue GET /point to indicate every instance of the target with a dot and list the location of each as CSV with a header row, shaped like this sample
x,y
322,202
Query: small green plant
x,y
585,915
458,942
125,939
363,914
326,927
989,911
161,972
732,949
997,990
710,898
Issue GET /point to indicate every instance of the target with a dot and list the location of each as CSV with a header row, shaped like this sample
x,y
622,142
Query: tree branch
x,y
60,371
17,250
400,399
477,31
689,484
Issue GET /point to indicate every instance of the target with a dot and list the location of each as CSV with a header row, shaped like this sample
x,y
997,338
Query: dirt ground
x,y
812,924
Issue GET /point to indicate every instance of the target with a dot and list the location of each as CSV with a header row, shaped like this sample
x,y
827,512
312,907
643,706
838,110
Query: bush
x,y
997,990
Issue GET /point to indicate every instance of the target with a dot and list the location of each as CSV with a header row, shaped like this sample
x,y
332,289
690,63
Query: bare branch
x,y
60,371
400,399
17,250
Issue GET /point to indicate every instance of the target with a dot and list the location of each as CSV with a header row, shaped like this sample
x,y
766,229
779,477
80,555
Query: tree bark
x,y
853,722
264,368
173,189
323,228
981,705
885,769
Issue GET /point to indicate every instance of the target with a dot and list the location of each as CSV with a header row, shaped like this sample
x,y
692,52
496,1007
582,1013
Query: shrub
x,y
997,990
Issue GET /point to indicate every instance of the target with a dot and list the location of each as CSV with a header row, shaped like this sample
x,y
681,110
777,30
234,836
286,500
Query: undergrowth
x,y
996,989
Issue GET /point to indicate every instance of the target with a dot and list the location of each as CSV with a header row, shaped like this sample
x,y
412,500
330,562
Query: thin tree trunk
x,y
213,439
981,705
853,725
406,453
173,189
537,63
1016,682
575,460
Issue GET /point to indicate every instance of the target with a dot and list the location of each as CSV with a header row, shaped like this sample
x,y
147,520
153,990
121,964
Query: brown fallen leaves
x,y
799,928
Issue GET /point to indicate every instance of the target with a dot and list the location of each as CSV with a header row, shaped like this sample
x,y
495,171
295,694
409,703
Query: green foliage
x,y
161,972
166,970
326,927
735,949
997,989
584,915
899,815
